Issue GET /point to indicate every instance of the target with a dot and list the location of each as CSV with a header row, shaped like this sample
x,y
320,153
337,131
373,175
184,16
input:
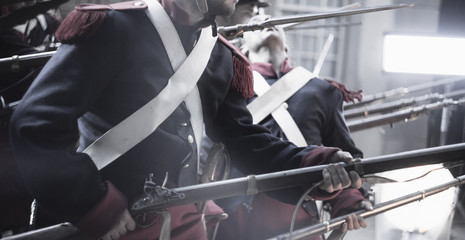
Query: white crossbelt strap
x,y
278,93
280,114
125,135
176,54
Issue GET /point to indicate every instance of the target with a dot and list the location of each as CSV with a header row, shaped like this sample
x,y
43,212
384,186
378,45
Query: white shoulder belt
x,y
182,85
271,100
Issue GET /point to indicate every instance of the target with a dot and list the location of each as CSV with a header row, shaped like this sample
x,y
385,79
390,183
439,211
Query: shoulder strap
x,y
177,55
279,92
280,114
122,137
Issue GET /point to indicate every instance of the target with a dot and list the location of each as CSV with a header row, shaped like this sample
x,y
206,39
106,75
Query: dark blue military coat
x,y
99,79
317,110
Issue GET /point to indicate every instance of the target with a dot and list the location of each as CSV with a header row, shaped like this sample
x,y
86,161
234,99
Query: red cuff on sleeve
x,y
101,218
347,198
322,195
317,156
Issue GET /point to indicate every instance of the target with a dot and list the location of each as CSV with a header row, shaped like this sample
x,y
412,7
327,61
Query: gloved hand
x,y
352,222
122,226
335,177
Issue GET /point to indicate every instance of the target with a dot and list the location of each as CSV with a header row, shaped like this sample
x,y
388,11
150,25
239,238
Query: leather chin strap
x,y
202,5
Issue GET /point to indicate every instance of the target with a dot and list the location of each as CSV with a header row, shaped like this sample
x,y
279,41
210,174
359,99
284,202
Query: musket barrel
x,y
303,176
273,181
230,30
317,16
17,63
402,115
368,99
63,231
391,106
334,223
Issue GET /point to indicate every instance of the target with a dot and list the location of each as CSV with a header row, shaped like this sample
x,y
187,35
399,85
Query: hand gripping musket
x,y
159,198
404,115
240,28
252,184
398,92
335,223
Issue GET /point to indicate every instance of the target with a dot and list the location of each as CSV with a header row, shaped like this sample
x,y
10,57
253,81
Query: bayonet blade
x,y
230,30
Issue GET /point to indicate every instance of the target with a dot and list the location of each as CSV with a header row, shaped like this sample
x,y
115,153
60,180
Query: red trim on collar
x,y
266,69
286,66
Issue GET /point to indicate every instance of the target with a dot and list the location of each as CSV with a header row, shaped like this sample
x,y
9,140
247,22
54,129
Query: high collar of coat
x,y
266,69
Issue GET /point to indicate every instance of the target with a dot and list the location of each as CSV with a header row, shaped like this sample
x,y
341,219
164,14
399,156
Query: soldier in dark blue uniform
x,y
317,111
111,63
316,107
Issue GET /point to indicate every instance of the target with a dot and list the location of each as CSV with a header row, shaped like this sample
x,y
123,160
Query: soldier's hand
x,y
335,178
353,222
365,205
341,156
122,226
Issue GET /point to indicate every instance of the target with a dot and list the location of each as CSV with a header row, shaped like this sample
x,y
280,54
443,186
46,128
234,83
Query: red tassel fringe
x,y
348,95
79,24
243,77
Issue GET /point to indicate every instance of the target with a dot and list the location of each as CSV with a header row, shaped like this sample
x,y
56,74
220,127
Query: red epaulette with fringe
x,y
243,76
85,19
347,94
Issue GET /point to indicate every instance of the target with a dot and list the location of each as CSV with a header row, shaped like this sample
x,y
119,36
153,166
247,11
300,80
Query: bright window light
x,y
424,55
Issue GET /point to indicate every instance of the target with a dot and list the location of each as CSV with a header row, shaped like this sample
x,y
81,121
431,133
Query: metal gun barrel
x,y
368,99
231,30
272,181
16,63
334,223
277,180
390,106
401,115
298,177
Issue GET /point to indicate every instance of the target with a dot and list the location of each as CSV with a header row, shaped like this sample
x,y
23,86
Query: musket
x,y
346,7
401,91
325,25
239,28
404,115
16,63
391,106
399,104
163,198
159,198
327,226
